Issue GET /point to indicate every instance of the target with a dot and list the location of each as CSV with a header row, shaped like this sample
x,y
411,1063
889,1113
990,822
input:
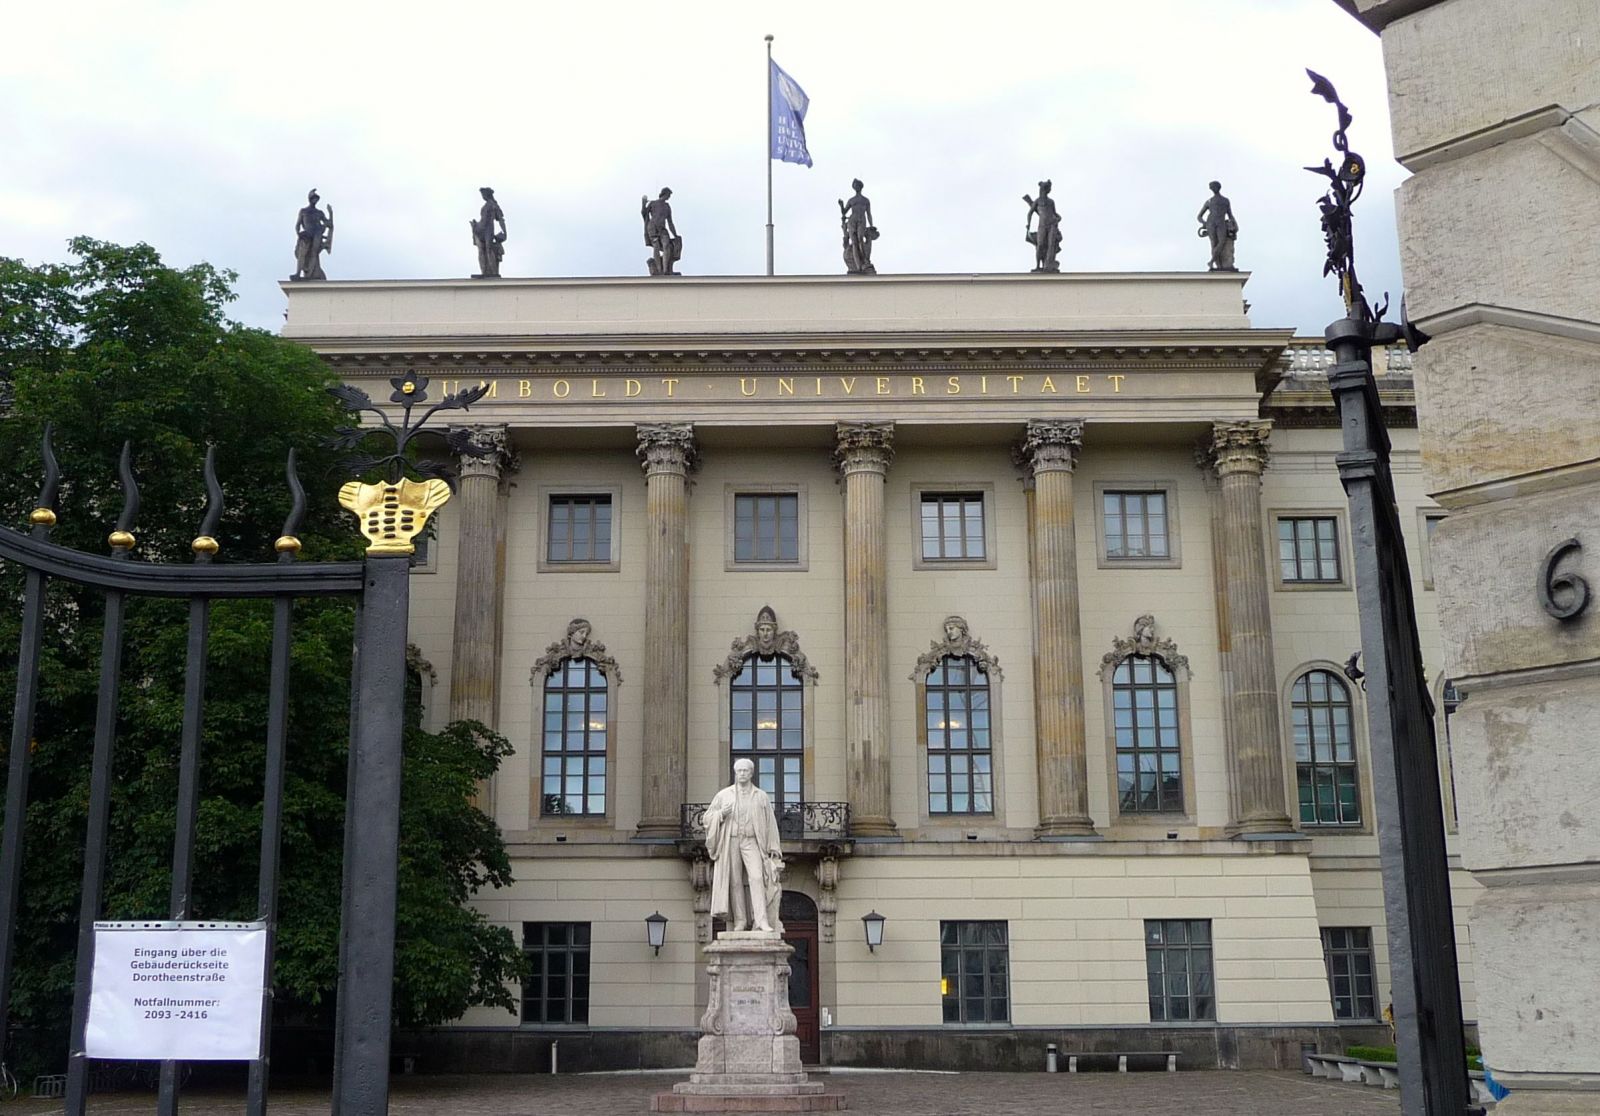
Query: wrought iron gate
x,y
391,513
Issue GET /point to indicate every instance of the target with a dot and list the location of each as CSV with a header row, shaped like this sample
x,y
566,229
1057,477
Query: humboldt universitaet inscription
x,y
701,389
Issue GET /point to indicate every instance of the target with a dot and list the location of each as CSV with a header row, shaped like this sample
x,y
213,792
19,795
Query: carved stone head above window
x,y
766,640
958,641
1146,644
578,643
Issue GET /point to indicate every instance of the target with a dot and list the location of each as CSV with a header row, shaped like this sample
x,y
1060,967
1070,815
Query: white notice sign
x,y
188,991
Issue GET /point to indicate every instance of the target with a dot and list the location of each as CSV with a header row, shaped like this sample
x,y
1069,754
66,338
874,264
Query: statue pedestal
x,y
749,1056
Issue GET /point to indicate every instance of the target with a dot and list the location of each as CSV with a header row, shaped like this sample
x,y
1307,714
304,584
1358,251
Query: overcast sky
x,y
199,127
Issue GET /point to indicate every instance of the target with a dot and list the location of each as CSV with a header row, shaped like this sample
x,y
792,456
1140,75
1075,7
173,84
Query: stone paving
x,y
1195,1093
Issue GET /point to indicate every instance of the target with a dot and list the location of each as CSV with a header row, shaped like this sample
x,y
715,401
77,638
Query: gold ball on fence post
x,y
42,517
121,539
287,544
205,544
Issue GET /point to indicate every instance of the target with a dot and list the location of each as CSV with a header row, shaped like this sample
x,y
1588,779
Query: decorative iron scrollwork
x,y
1345,183
1571,589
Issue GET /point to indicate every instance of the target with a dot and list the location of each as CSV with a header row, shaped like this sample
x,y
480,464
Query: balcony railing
x,y
797,821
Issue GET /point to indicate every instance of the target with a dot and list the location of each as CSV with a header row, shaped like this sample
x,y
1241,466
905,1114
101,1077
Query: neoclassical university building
x,y
1028,595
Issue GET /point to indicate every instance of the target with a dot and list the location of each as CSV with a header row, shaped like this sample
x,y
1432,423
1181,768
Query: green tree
x,y
114,346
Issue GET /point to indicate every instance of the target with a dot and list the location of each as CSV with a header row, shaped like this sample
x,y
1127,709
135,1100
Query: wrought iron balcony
x,y
797,821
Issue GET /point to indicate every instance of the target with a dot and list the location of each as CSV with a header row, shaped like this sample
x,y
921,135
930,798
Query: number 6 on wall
x,y
1571,586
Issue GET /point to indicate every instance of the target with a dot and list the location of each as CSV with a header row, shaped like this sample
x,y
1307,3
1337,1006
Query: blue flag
x,y
788,127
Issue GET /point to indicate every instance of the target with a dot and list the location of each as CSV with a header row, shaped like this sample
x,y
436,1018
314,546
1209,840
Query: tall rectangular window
x,y
1308,549
1177,955
1135,524
1351,981
556,989
579,529
576,722
1144,700
975,972
952,526
766,527
956,704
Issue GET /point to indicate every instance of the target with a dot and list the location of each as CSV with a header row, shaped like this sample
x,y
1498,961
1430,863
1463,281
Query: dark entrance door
x,y
799,916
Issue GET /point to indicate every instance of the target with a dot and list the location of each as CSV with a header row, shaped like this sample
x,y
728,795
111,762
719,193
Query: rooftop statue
x,y
855,220
660,234
1216,221
313,232
1046,239
490,244
746,853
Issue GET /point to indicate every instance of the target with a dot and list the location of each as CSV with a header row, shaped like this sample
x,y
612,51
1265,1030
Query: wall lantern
x,y
874,926
655,929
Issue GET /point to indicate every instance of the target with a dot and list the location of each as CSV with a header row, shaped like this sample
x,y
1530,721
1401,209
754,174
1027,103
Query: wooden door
x,y
799,916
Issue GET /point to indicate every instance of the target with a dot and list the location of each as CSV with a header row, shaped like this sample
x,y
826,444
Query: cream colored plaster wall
x,y
1076,927
1183,601
433,607
538,607
629,985
723,604
1349,892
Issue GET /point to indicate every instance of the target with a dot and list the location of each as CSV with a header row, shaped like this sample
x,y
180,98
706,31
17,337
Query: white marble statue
x,y
746,854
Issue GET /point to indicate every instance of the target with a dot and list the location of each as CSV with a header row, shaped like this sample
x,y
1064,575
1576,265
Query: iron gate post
x,y
1424,982
372,826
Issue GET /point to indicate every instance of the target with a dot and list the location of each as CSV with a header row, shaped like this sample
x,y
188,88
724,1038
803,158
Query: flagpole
x,y
769,154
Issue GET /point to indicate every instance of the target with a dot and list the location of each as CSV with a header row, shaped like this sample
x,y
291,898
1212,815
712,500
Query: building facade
x,y
1029,596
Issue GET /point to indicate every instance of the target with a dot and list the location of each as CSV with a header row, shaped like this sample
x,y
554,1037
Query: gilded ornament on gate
x,y
392,515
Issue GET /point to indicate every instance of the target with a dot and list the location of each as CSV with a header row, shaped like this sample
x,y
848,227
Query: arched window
x,y
1144,703
767,720
956,705
1324,750
577,716
578,680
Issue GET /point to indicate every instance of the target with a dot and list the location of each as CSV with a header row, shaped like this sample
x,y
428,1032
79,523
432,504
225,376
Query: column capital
x,y
1239,447
494,456
863,447
1050,445
667,447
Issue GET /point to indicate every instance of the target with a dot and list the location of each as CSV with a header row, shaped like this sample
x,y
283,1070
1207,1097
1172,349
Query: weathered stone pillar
x,y
480,577
862,456
1048,453
1238,453
668,453
1504,278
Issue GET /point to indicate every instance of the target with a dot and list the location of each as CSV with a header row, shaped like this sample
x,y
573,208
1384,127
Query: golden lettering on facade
x,y
916,386
671,384
1016,384
849,384
1116,383
785,386
561,389
524,388
953,386
983,385
883,385
1048,385
747,385
1083,385
632,388
594,390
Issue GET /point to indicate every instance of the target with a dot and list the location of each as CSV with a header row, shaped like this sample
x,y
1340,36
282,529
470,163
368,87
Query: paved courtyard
x,y
1214,1093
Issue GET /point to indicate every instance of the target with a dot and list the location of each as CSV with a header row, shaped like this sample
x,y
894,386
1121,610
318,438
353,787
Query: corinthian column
x,y
480,577
667,452
1238,453
862,456
1048,453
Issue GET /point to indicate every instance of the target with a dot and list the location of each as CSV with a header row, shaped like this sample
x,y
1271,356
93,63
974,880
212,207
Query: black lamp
x,y
655,929
873,923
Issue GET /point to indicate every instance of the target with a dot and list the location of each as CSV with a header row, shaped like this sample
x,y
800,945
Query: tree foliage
x,y
115,346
